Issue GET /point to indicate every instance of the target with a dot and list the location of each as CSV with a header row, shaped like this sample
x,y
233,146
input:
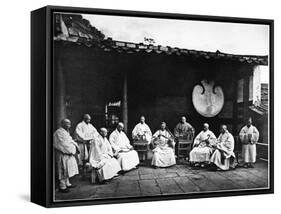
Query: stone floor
x,y
181,178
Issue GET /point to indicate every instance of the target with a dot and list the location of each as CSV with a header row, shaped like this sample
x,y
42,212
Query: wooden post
x,y
60,111
235,107
246,96
125,104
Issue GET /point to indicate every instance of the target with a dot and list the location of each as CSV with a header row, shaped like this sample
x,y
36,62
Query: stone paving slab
x,y
149,187
186,185
147,181
168,186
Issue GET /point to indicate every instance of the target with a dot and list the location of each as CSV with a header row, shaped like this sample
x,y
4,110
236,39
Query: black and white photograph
x,y
149,106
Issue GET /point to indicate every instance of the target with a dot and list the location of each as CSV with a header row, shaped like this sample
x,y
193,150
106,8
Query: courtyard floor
x,y
181,178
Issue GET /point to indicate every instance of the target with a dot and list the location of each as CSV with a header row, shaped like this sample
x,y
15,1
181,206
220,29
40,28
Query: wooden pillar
x,y
59,94
125,104
246,96
235,107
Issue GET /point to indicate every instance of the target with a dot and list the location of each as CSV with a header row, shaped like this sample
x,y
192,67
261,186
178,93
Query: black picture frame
x,y
42,102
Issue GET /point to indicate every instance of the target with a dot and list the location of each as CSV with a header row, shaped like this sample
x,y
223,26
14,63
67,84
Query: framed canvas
x,y
134,106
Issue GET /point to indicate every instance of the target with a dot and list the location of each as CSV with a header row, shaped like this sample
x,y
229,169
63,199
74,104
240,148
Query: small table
x,y
142,147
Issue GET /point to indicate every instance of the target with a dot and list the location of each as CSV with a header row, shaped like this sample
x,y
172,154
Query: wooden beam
x,y
125,103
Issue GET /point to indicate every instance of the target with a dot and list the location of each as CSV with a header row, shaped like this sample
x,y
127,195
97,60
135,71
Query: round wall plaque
x,y
207,98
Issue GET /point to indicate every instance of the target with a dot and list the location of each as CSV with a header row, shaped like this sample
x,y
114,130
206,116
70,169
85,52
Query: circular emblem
x,y
207,98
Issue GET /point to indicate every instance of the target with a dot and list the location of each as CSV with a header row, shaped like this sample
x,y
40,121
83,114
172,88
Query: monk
x,y
141,135
101,158
126,156
84,133
163,152
223,156
249,136
183,129
184,132
142,131
202,147
65,151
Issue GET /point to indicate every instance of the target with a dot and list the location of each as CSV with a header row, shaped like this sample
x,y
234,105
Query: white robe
x,y
223,157
127,158
163,154
249,136
201,152
101,158
65,149
84,132
142,132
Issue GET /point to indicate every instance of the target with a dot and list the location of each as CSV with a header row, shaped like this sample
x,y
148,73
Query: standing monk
x,y
65,150
163,152
202,147
142,131
142,136
184,130
223,157
84,133
249,136
123,150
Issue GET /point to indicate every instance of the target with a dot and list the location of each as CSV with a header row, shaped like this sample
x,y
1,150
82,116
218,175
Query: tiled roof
x,y
260,109
78,30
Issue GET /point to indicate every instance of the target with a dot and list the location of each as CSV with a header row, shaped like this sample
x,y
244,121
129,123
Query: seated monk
x,y
163,152
202,147
127,157
223,157
101,158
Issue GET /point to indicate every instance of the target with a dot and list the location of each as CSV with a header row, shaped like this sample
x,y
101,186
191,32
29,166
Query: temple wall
x,y
159,86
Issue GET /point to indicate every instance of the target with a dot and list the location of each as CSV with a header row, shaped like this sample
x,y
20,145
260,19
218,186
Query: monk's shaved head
x,y
65,123
120,126
142,119
223,128
163,125
249,122
183,119
103,132
87,118
103,129
205,126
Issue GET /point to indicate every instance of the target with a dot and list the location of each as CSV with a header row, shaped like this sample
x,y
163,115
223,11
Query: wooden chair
x,y
142,147
184,146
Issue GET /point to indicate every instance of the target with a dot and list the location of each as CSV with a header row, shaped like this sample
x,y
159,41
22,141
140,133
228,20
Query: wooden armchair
x,y
184,146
